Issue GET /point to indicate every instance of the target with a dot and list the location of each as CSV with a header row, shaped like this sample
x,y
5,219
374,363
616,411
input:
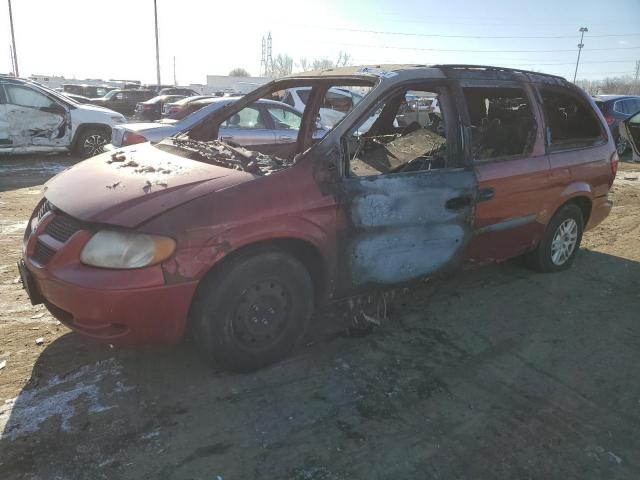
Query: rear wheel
x,y
252,311
560,243
91,142
621,145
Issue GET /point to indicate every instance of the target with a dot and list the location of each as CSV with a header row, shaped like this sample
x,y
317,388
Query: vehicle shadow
x,y
496,366
23,171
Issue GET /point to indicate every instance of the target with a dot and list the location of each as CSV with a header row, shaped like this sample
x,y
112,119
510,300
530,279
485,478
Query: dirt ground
x,y
496,373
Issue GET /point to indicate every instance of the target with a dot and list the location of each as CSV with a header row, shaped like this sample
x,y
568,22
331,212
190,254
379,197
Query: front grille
x,y
62,227
43,254
44,208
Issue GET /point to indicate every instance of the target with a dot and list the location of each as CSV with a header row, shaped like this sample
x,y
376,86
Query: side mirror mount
x,y
54,108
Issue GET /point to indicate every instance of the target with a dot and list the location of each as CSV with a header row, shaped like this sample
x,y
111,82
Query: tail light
x,y
131,138
614,167
609,119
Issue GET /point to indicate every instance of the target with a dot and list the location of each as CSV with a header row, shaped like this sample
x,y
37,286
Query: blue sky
x,y
98,39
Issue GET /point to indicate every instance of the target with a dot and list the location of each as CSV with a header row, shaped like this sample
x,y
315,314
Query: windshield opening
x,y
269,134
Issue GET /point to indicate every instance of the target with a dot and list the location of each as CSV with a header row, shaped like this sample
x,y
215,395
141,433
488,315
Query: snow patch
x,y
59,397
7,227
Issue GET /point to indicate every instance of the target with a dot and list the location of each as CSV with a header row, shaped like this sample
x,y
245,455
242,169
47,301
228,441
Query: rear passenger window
x,y
304,95
634,106
288,99
337,101
571,123
502,122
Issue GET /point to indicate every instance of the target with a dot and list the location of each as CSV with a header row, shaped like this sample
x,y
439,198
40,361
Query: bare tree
x,y
239,72
344,59
282,66
625,85
304,64
322,64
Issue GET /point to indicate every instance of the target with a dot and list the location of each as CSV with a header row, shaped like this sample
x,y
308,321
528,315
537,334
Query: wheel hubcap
x,y
94,144
261,314
622,146
564,241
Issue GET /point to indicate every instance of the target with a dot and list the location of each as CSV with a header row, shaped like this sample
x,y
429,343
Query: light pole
x,y
155,14
13,44
580,45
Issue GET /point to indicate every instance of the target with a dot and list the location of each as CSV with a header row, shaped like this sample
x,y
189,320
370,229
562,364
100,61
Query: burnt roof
x,y
455,70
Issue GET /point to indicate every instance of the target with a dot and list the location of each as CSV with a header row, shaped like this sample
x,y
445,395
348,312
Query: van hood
x,y
133,184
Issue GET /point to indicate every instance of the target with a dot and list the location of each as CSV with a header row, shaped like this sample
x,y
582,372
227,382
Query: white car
x,y
34,118
337,103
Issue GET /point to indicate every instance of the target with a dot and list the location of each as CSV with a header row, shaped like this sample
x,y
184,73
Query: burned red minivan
x,y
239,245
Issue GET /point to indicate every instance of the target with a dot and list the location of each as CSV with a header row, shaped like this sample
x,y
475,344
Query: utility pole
x,y
580,45
155,14
269,59
175,82
13,65
636,84
16,72
263,58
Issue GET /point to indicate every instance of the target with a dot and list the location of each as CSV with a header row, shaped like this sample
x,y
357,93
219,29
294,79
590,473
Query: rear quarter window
x,y
571,121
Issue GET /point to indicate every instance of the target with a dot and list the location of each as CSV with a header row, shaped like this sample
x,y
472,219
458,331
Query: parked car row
x,y
152,109
264,123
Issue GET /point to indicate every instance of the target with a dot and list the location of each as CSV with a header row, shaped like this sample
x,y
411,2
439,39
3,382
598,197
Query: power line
x,y
361,45
441,35
571,63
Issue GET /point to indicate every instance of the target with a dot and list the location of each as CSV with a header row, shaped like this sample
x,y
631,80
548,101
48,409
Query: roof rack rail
x,y
493,68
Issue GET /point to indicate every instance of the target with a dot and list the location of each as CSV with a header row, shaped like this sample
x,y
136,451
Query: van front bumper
x,y
113,306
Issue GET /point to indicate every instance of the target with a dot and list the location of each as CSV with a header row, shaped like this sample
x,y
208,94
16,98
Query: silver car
x,y
265,122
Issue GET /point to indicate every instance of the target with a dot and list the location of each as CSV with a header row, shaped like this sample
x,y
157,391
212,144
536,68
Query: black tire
x,y
622,144
252,311
542,258
91,142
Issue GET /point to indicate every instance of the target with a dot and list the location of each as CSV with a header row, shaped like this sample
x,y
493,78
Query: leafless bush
x,y
625,85
344,59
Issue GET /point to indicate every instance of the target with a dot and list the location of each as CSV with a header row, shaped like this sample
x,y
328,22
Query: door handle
x,y
458,203
227,137
485,194
285,139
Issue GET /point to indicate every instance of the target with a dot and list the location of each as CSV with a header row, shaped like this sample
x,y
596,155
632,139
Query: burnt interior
x,y
405,132
502,122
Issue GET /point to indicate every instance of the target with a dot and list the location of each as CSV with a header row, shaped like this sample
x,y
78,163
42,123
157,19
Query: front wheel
x,y
560,243
91,142
252,311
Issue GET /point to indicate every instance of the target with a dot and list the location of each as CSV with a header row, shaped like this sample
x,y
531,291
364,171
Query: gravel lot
x,y
497,373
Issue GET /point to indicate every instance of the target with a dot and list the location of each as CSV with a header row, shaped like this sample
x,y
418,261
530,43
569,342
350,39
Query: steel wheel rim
x,y
94,144
260,314
621,147
564,241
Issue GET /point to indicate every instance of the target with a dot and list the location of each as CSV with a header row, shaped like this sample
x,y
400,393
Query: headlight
x,y
119,119
112,249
